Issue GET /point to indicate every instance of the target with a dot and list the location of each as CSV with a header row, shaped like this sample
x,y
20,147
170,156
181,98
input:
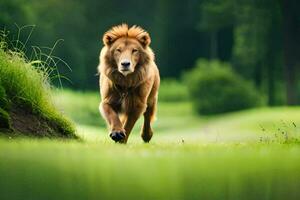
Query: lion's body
x,y
126,97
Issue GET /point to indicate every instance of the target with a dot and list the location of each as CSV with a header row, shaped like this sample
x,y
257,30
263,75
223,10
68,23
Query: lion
x,y
129,81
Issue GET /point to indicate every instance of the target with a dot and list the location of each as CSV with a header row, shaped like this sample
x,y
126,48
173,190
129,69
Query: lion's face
x,y
126,53
127,47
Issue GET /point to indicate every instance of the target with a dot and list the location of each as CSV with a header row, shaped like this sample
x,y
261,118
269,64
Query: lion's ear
x,y
108,39
144,39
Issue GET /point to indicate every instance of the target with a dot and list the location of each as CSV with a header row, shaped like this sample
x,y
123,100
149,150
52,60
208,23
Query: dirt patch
x,y
24,122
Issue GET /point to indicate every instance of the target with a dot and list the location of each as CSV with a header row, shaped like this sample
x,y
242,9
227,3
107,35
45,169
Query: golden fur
x,y
127,91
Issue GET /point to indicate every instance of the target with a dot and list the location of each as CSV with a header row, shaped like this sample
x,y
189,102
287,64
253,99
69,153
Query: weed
x,y
26,81
288,133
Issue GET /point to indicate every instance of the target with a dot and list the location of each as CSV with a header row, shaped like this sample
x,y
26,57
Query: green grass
x,y
102,170
180,120
24,86
82,107
190,157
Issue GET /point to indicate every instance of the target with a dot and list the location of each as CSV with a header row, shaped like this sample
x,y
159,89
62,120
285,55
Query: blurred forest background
x,y
259,40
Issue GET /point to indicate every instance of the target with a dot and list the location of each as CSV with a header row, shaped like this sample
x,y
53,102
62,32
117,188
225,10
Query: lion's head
x,y
127,47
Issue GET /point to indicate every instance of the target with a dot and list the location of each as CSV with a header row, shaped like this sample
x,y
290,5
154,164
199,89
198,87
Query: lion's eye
x,y
134,50
118,50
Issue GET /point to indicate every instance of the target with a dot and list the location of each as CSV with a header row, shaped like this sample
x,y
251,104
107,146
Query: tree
x,y
257,44
214,16
291,47
257,37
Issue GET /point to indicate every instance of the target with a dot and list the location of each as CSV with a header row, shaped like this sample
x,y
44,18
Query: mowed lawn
x,y
252,154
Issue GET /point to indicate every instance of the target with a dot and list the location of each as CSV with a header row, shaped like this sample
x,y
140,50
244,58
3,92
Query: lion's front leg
x,y
132,117
117,132
149,116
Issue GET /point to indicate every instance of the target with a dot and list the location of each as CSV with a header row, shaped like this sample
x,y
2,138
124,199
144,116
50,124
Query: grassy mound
x,y
25,102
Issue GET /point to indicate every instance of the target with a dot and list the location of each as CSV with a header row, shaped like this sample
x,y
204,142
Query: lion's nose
x,y
125,64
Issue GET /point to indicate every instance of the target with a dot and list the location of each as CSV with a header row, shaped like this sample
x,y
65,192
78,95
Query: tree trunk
x,y
271,84
257,76
214,45
291,49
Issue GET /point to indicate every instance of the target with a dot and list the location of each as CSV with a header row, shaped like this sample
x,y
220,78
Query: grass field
x,y
252,154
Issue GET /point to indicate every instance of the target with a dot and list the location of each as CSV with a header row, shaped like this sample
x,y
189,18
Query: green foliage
x,y
22,83
252,34
256,45
4,120
25,86
215,88
172,90
12,11
216,14
3,98
4,117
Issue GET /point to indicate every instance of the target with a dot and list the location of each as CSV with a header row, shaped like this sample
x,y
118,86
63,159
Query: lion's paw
x,y
118,136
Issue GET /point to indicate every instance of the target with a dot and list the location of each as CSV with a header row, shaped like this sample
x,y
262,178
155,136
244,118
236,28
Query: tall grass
x,y
41,57
26,82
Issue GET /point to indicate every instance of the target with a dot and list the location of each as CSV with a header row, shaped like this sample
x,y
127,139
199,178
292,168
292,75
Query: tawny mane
x,y
123,30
